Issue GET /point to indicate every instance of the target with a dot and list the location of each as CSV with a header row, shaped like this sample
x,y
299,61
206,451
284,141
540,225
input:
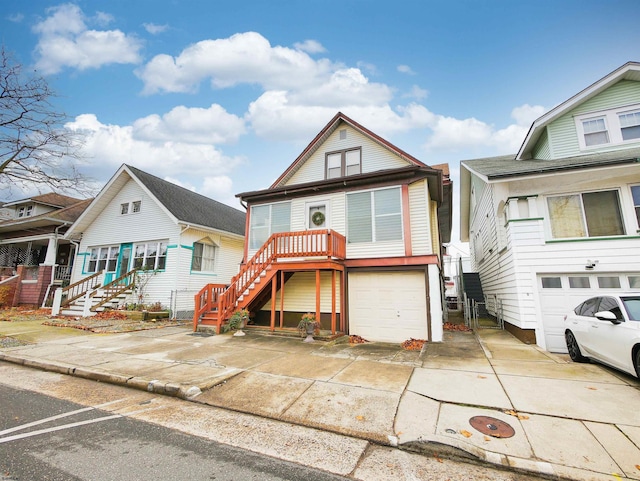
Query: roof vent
x,y
343,134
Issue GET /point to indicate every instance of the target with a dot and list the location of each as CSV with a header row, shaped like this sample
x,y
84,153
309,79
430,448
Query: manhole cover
x,y
492,427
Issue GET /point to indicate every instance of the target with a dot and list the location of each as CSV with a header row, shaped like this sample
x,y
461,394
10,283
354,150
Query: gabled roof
x,y
331,127
180,204
64,216
629,71
506,166
51,199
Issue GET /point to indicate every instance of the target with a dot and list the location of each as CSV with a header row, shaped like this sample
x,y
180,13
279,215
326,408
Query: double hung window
x,y
345,162
609,127
374,216
590,214
204,257
635,193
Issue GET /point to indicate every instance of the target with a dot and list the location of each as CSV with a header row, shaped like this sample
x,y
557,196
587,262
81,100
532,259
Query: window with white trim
x,y
635,194
609,127
103,258
589,214
130,207
374,216
204,256
343,163
150,256
267,220
25,211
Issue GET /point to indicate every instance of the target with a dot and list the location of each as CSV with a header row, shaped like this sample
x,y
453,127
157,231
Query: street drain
x,y
492,427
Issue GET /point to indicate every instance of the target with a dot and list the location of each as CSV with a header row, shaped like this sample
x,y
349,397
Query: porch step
x,y
325,335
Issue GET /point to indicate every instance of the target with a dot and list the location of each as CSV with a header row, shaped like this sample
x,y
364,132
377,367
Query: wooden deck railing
x,y
303,244
206,300
80,288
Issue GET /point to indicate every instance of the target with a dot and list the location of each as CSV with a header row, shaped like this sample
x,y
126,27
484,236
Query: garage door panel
x,y
388,307
557,302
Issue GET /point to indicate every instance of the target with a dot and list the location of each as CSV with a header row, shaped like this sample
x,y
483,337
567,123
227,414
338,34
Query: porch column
x,y
274,288
52,251
333,301
318,294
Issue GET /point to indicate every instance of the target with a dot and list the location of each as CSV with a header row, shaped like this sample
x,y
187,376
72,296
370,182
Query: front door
x,y
124,259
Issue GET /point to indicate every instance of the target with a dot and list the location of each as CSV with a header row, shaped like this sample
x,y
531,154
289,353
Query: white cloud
x,y
526,114
109,146
242,58
191,125
405,69
417,93
154,29
15,17
310,46
66,41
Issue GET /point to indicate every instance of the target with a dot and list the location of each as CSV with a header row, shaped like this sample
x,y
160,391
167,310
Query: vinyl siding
x,y
300,293
374,156
542,149
175,286
563,131
421,218
511,275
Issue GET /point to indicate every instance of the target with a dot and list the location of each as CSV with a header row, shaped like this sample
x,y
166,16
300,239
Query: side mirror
x,y
608,316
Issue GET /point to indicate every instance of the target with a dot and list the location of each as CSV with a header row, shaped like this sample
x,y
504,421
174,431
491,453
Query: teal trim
x,y
523,220
591,239
84,253
186,247
172,246
199,273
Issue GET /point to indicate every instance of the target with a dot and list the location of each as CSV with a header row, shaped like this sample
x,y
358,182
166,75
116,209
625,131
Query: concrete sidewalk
x,y
481,394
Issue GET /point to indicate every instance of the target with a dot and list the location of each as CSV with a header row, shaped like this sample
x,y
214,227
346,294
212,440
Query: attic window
x,y
610,127
130,207
343,134
343,163
25,211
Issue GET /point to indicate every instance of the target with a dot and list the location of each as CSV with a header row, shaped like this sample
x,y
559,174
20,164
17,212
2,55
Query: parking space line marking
x,y
58,428
59,416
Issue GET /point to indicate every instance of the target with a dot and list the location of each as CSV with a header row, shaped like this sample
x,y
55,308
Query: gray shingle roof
x,y
507,166
190,207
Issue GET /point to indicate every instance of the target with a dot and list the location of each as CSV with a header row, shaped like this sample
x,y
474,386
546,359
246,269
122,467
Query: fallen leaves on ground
x,y
516,414
357,340
360,418
465,433
111,324
455,327
413,344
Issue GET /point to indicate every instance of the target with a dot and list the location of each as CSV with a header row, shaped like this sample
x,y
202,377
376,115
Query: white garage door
x,y
388,306
560,293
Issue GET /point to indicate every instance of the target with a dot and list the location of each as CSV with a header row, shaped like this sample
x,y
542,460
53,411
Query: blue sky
x,y
220,97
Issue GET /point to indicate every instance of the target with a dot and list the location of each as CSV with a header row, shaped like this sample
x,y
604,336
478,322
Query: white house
x,y
185,240
352,232
559,221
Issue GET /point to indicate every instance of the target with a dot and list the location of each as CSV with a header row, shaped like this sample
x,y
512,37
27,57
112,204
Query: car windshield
x,y
632,306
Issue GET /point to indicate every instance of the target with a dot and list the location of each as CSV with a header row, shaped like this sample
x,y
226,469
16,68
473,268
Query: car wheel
x,y
636,362
574,349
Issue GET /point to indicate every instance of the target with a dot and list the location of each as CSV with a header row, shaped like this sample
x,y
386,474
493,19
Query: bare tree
x,y
36,151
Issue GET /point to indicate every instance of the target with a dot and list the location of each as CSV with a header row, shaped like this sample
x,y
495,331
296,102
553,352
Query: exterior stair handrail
x,y
314,243
117,287
78,289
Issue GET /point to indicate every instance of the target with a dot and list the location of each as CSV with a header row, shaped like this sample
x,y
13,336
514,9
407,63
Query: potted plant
x,y
308,325
238,320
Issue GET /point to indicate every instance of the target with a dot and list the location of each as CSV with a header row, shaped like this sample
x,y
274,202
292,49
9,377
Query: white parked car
x,y
607,329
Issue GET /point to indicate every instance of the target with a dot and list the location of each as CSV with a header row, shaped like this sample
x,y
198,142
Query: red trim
x,y
392,261
406,220
342,117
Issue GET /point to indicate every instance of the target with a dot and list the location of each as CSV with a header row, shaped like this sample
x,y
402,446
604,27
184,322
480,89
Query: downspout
x,y
174,301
